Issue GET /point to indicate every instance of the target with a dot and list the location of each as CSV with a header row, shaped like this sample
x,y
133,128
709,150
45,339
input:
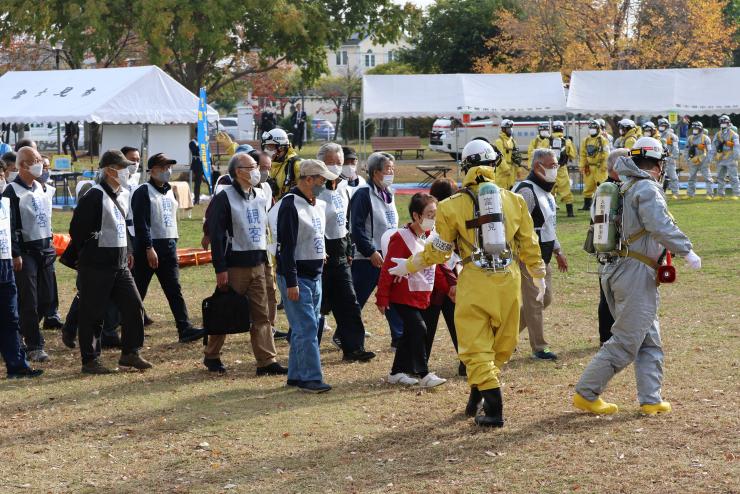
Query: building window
x,y
341,58
392,56
369,59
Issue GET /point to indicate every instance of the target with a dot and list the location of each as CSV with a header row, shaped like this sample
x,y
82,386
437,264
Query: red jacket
x,y
398,293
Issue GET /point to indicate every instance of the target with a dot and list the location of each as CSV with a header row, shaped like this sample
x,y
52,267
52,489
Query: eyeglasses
x,y
248,168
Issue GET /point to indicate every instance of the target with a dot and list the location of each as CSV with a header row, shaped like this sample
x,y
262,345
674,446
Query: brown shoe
x,y
95,367
134,360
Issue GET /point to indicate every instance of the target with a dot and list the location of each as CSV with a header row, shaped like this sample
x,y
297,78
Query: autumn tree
x,y
340,90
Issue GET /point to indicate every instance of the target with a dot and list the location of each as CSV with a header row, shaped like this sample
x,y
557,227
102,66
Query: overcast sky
x,y
420,3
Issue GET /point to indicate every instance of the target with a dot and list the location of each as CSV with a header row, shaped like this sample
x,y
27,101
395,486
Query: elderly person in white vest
x,y
535,190
237,227
372,213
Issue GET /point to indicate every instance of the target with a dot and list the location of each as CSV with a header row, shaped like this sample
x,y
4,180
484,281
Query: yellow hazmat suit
x,y
594,151
506,170
561,189
628,139
487,310
279,172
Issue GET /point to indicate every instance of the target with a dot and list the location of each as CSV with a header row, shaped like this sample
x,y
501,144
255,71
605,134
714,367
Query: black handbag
x,y
226,312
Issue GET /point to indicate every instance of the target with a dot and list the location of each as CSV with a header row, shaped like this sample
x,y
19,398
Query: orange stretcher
x,y
185,257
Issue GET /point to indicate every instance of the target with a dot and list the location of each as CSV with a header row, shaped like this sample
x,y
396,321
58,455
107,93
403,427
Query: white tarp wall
x,y
444,95
655,92
127,95
117,136
171,140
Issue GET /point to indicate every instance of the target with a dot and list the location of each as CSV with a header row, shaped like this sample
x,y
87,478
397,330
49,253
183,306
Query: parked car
x,y
323,129
230,125
45,135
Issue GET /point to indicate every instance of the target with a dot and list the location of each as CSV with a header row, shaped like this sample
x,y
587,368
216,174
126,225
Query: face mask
x,y
593,132
551,174
36,169
724,125
662,128
264,175
316,190
544,133
12,176
122,177
427,224
335,169
254,177
507,131
44,177
133,169
165,176
349,172
270,153
3,183
621,132
648,133
695,132
387,180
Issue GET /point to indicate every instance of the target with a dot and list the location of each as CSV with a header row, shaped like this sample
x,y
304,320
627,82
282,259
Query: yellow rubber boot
x,y
598,406
656,408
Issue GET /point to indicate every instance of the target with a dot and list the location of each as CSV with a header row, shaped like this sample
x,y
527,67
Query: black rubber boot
x,y
586,204
493,405
569,208
471,410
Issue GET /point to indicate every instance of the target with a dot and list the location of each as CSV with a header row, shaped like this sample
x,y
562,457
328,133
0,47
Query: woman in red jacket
x,y
410,296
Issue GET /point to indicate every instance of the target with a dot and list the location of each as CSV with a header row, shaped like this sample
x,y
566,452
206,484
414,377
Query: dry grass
x,y
140,432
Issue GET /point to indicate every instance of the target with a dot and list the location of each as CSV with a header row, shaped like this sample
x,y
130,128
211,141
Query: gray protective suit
x,y
632,293
727,160
702,155
672,161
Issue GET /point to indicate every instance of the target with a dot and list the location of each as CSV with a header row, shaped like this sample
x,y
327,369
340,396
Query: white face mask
x,y
427,224
3,183
387,180
165,176
593,132
254,177
724,125
12,176
264,175
122,176
544,133
551,174
695,132
349,172
662,128
133,169
270,153
335,169
36,169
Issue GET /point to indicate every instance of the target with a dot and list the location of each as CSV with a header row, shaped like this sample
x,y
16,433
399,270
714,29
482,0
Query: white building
x,y
361,54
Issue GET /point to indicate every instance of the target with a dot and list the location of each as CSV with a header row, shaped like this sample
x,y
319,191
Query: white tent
x,y
127,95
444,95
654,92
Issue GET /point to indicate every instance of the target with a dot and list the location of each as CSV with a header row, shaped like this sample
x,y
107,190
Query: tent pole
x,y
144,152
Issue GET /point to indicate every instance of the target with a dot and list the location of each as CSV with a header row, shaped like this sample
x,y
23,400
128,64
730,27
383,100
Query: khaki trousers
x,y
530,315
250,281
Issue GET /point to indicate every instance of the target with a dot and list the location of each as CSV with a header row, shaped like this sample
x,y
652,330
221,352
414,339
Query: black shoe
x,y
586,204
280,306
191,334
360,355
69,339
214,365
134,360
274,369
24,372
279,335
545,354
148,321
95,367
313,387
110,342
336,341
292,383
461,370
471,409
493,405
569,208
53,322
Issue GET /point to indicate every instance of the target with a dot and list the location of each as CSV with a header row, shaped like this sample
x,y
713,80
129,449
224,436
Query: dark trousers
x,y
168,274
197,180
70,143
448,312
606,320
53,309
365,279
411,352
34,282
338,297
10,340
111,320
96,287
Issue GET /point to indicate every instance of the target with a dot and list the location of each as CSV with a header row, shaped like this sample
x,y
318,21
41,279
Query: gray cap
x,y
316,167
114,157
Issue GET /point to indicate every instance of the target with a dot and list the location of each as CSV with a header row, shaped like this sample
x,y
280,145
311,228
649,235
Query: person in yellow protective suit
x,y
285,162
489,287
510,160
566,152
628,134
594,151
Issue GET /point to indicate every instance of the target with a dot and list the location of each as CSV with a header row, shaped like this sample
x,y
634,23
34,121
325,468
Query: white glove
x,y
401,268
693,260
540,284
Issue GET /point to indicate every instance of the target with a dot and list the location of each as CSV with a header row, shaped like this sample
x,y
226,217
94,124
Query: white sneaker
x,y
431,380
38,356
402,378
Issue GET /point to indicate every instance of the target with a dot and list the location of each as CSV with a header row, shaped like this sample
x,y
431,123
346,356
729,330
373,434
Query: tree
x,y
340,90
394,67
452,34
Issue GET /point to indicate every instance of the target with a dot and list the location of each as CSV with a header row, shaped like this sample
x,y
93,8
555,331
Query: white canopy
x,y
443,95
127,95
655,92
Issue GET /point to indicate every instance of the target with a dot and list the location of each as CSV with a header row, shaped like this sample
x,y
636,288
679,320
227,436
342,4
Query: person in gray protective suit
x,y
670,143
628,278
726,151
698,148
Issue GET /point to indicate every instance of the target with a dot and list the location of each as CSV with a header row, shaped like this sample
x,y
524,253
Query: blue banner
x,y
203,145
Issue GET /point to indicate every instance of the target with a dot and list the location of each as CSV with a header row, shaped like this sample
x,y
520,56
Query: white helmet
x,y
602,123
479,152
275,136
648,147
558,126
663,122
626,123
724,121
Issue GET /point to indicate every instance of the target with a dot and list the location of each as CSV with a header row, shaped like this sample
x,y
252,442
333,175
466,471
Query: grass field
x,y
178,429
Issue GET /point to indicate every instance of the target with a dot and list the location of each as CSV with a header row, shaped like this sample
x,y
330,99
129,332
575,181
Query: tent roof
x,y
444,95
124,95
655,91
